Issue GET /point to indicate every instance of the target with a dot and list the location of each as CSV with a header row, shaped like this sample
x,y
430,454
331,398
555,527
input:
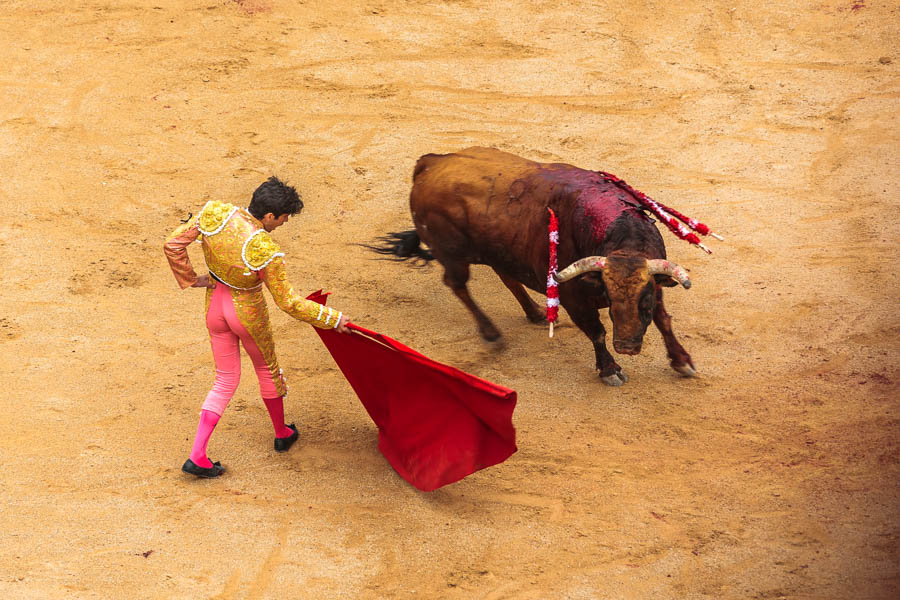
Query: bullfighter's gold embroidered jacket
x,y
242,255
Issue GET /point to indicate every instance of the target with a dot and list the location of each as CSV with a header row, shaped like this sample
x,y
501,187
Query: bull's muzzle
x,y
630,347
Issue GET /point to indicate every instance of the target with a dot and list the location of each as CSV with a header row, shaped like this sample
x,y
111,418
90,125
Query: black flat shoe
x,y
192,468
283,444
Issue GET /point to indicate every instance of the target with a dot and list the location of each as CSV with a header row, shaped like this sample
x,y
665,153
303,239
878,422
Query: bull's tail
x,y
401,246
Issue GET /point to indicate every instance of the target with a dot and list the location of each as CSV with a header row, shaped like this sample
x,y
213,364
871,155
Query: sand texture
x,y
773,474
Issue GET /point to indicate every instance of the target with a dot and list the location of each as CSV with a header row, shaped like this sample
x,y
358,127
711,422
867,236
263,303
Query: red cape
x,y
436,424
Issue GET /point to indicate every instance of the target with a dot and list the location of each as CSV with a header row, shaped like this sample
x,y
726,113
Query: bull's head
x,y
631,286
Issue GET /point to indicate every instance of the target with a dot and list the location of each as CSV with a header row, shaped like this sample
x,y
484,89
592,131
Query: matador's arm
x,y
318,315
176,252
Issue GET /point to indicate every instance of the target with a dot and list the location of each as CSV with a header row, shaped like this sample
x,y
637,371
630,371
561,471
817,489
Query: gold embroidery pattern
x,y
223,252
251,310
298,307
260,250
214,216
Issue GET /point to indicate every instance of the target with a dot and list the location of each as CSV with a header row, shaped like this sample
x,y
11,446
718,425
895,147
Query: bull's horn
x,y
658,266
580,267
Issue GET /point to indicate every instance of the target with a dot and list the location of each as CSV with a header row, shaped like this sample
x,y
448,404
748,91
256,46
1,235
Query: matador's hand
x,y
342,326
204,281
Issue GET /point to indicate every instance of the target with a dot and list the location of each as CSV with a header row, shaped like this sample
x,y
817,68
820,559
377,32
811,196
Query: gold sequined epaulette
x,y
259,250
214,216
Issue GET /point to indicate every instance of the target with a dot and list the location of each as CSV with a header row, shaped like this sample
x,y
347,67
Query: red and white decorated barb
x,y
677,228
552,285
665,215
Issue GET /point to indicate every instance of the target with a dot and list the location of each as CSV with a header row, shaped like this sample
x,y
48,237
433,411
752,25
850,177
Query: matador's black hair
x,y
276,197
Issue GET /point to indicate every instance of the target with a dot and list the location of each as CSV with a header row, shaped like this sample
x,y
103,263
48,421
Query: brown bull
x,y
484,206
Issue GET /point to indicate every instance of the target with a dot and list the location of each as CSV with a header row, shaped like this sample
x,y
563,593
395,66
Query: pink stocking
x,y
275,407
208,421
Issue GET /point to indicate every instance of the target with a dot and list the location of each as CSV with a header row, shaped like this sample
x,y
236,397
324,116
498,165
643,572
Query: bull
x,y
485,206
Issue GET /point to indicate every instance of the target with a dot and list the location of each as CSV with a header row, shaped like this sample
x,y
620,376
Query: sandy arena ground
x,y
774,474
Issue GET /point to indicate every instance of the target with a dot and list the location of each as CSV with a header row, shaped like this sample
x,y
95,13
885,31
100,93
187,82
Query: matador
x,y
242,257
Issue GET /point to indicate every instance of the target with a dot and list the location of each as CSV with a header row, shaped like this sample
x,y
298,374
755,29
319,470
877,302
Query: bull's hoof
x,y
490,336
616,379
685,370
538,318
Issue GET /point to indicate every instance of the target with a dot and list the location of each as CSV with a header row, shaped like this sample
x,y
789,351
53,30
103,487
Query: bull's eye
x,y
594,279
645,307
646,317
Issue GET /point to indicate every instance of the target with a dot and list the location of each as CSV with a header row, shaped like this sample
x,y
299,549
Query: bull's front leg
x,y
532,310
679,359
587,318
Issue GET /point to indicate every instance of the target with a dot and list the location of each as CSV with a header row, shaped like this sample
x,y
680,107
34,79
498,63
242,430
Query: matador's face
x,y
270,222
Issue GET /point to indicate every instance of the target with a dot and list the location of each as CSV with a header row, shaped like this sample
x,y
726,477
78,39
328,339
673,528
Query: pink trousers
x,y
226,333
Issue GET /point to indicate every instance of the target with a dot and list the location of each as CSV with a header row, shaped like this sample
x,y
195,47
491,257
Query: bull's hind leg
x,y
456,275
532,311
680,359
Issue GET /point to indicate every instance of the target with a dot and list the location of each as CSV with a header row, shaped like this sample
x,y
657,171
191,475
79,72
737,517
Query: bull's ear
x,y
665,281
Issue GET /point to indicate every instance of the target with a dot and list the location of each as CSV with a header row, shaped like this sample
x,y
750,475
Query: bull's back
x,y
467,170
471,188
478,204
